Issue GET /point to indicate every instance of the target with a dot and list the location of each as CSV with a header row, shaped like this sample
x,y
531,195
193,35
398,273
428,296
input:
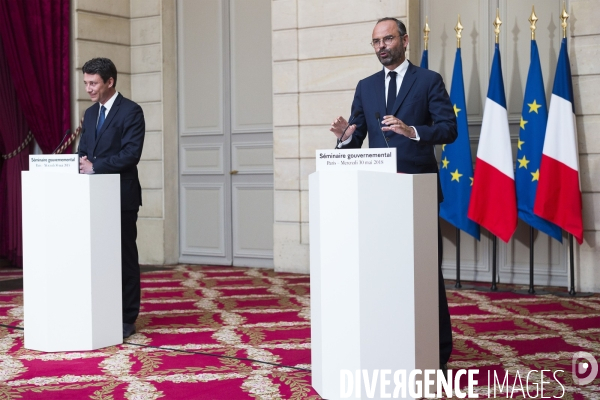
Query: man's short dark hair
x,y
400,24
103,67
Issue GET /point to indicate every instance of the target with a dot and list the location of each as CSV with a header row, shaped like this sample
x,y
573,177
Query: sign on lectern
x,y
381,160
54,163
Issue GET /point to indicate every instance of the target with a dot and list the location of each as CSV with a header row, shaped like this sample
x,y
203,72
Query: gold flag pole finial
x,y
564,16
497,24
532,20
458,28
426,31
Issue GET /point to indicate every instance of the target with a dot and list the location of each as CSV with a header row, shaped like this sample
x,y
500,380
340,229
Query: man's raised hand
x,y
339,125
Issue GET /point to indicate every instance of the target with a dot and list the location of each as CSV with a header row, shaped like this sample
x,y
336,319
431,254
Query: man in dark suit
x,y
111,143
405,107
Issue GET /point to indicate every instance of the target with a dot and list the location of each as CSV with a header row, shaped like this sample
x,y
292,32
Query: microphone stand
x,y
61,141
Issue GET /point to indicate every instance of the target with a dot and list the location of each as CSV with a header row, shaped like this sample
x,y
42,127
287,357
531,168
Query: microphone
x,y
61,141
378,116
341,138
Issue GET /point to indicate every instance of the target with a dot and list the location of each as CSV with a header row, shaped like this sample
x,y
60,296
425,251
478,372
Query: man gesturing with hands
x,y
405,107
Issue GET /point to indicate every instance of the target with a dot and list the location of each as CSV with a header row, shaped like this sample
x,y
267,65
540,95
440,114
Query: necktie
x,y
100,120
391,95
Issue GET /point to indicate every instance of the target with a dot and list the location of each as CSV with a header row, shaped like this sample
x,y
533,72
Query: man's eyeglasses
x,y
386,40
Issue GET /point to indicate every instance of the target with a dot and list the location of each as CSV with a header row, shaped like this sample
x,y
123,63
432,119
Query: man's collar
x,y
110,101
400,69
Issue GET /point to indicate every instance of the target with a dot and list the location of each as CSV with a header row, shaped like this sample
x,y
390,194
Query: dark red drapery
x,y
35,38
35,34
13,131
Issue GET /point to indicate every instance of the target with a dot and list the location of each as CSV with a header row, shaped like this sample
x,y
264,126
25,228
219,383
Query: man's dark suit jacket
x,y
422,102
118,147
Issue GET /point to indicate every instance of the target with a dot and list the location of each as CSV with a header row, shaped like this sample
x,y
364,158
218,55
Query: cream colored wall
x,y
139,37
584,49
320,51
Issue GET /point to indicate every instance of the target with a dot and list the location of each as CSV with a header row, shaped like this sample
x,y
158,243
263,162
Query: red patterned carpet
x,y
236,333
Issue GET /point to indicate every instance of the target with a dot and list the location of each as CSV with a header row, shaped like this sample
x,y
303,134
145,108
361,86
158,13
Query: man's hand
x,y
393,124
338,126
85,166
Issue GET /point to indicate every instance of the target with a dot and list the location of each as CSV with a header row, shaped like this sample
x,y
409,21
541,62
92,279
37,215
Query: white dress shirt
x,y
400,72
109,103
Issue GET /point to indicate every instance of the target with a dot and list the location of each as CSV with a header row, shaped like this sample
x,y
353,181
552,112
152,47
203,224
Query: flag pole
x,y
426,31
532,21
494,288
425,56
458,28
531,289
458,285
571,293
531,254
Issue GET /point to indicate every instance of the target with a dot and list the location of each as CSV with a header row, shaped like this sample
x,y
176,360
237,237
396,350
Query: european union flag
x,y
425,59
534,118
456,168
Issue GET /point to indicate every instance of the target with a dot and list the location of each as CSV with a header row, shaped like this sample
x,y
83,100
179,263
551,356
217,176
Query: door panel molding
x,y
207,224
202,149
258,239
200,114
251,80
241,151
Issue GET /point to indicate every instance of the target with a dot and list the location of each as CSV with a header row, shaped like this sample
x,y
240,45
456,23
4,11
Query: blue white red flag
x,y
558,197
493,202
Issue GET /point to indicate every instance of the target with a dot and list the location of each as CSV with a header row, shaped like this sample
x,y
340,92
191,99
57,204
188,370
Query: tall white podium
x,y
71,261
373,277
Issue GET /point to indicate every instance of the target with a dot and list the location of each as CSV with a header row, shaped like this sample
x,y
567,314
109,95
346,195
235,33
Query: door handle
x,y
233,172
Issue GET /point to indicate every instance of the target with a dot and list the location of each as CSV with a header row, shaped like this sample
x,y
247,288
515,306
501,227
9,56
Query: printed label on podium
x,y
379,160
68,163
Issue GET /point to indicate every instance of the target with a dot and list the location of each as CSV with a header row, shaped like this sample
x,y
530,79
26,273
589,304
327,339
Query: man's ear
x,y
111,82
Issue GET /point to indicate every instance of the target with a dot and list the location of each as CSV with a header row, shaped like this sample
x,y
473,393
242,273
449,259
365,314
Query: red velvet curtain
x,y
13,131
35,34
35,38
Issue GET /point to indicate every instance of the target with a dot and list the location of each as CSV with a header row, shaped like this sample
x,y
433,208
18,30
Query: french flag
x,y
493,202
558,197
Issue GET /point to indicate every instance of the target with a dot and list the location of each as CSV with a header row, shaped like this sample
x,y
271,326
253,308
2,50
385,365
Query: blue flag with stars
x,y
456,168
425,60
530,145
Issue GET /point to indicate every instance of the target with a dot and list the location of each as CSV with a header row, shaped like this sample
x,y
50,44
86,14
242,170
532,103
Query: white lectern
x,y
71,261
373,277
